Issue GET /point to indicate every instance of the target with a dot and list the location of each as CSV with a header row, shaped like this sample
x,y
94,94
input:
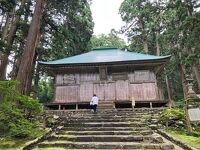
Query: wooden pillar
x,y
59,107
76,107
151,105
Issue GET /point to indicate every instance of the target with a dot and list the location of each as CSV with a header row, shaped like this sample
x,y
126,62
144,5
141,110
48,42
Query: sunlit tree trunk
x,y
2,56
25,70
36,79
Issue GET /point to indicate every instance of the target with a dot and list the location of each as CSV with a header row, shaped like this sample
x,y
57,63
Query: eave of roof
x,y
105,55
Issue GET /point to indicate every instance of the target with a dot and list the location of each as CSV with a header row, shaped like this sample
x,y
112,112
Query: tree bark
x,y
36,80
2,19
3,59
144,36
145,42
13,73
182,75
171,102
9,43
25,70
197,75
157,44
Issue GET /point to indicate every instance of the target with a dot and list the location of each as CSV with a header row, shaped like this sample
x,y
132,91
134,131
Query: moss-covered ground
x,y
7,143
181,134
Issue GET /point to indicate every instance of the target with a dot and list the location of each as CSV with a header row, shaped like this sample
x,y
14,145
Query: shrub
x,y
172,116
18,113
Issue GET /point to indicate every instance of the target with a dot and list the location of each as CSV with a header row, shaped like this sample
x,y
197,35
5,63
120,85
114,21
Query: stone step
x,y
61,148
106,124
105,145
95,116
109,114
111,111
106,120
144,132
107,138
104,128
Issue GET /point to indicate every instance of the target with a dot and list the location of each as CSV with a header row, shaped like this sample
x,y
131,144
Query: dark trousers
x,y
91,107
95,107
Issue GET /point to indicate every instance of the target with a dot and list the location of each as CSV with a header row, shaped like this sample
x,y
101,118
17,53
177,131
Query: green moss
x,y
188,139
17,143
56,148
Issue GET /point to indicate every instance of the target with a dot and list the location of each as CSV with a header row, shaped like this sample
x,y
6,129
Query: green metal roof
x,y
105,55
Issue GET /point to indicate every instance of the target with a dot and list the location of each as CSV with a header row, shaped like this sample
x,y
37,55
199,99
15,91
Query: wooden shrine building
x,y
115,76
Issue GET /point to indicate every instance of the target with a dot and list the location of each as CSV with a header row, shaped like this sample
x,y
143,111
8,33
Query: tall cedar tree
x,y
25,70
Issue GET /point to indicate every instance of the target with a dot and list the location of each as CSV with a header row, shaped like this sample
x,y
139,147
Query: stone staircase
x,y
105,105
107,130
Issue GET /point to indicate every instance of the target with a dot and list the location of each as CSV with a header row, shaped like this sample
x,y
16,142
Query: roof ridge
x,y
105,48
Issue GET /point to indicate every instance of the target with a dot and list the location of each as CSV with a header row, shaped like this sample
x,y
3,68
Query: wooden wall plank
x,y
136,91
99,91
122,90
86,92
59,79
150,91
152,76
66,94
69,79
131,77
88,77
110,91
142,75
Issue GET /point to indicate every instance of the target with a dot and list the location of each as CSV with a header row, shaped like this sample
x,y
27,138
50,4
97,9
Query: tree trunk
x,y
6,27
2,19
182,75
13,74
171,102
197,75
3,60
157,44
145,42
25,70
144,35
36,80
9,43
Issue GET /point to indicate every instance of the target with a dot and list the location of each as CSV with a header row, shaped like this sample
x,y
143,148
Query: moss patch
x,y
17,143
188,139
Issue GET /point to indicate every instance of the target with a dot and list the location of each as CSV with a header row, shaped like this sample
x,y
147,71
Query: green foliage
x,y
140,19
109,40
70,25
18,113
8,89
30,106
45,90
7,5
171,114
